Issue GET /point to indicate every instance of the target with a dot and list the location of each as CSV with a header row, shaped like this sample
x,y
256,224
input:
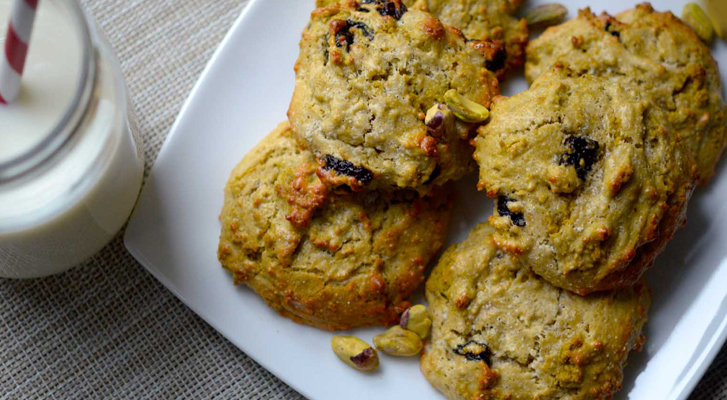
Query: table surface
x,y
107,329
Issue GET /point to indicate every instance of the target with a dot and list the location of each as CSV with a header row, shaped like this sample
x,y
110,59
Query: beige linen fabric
x,y
107,329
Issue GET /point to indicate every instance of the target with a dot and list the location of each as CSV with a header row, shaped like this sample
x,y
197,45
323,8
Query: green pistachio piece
x,y
464,108
717,12
399,342
545,15
356,353
439,119
697,19
416,319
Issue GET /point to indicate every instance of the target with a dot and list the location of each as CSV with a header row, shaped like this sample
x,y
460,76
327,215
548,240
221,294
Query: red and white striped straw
x,y
12,62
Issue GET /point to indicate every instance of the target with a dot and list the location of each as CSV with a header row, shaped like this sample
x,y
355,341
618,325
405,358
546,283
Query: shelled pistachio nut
x,y
439,119
399,342
464,108
697,19
356,353
545,15
717,13
416,319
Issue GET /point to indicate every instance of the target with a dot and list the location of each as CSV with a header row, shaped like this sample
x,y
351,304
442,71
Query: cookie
x,y
478,20
322,259
485,20
659,55
590,182
365,78
499,332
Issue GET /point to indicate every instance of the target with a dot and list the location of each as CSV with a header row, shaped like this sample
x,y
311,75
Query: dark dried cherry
x,y
493,51
435,173
517,218
611,31
582,154
342,36
474,351
391,8
342,31
365,29
347,168
497,62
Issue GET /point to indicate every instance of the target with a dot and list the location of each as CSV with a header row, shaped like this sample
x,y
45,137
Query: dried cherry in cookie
x,y
365,29
318,257
354,176
515,326
342,36
474,351
504,211
366,102
602,180
582,154
655,55
479,20
609,28
391,8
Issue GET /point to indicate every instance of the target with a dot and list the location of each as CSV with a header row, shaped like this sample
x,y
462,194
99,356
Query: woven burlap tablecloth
x,y
108,329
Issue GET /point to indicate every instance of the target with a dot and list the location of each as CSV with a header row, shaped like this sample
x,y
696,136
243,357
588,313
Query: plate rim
x,y
707,356
695,373
139,255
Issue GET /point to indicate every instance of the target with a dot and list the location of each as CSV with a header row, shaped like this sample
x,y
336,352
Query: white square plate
x,y
242,95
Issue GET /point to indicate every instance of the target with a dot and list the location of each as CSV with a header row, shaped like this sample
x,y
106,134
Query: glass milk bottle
x,y
70,165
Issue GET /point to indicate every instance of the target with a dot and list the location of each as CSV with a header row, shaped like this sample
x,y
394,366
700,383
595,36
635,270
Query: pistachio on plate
x,y
416,319
717,13
697,19
545,15
356,353
399,342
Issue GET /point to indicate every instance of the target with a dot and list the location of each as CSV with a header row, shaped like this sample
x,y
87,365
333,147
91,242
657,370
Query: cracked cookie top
x,y
366,75
319,258
485,20
501,332
658,55
478,20
590,181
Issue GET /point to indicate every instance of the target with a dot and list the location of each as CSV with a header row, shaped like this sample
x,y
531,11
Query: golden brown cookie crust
x,y
364,82
501,332
590,183
478,20
658,55
319,258
485,20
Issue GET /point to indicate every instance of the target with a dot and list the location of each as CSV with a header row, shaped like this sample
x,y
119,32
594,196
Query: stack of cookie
x,y
334,216
591,170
